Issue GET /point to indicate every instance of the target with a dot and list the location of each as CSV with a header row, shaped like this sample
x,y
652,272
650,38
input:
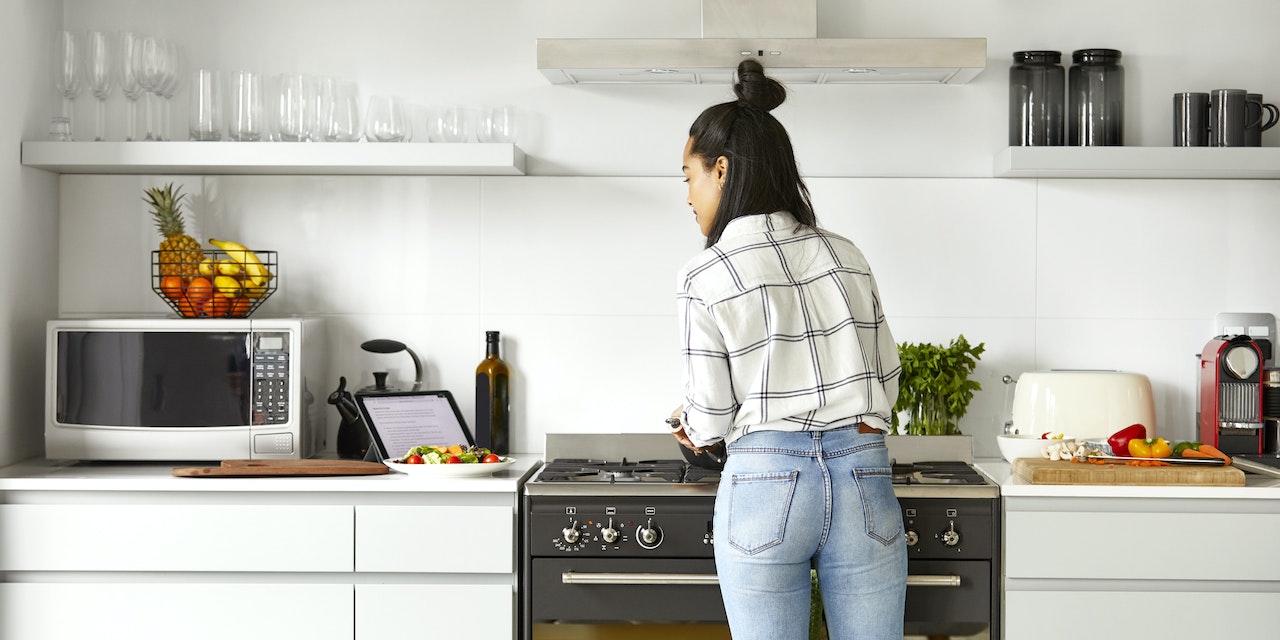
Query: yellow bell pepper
x,y
1150,448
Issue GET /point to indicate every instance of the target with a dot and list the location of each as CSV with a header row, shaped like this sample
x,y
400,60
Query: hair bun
x,y
753,87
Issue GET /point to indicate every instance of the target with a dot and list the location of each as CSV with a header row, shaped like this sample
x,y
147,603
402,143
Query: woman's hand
x,y
677,430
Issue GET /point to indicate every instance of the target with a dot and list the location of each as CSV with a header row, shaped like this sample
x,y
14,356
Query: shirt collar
x,y
759,223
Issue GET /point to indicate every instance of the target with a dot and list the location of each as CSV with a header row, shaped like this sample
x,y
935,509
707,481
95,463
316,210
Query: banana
x,y
229,267
205,267
228,286
255,272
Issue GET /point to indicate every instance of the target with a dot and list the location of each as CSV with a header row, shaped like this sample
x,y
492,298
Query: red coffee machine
x,y
1231,380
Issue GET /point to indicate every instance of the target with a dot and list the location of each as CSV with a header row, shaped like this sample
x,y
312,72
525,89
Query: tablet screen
x,y
399,421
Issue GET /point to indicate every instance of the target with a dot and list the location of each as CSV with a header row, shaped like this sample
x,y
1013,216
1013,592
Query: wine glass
x,y
129,83
147,61
99,56
498,125
450,123
171,79
68,77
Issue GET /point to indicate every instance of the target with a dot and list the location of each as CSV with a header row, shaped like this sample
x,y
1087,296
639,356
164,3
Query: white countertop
x,y
46,475
1257,487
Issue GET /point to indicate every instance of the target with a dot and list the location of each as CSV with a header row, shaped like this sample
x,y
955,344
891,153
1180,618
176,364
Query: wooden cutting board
x,y
257,468
1041,471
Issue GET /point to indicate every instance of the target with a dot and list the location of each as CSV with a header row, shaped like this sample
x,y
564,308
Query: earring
x,y
720,186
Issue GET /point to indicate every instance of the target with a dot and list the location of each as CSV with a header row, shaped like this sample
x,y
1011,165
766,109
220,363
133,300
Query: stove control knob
x,y
951,537
609,533
570,533
912,538
649,536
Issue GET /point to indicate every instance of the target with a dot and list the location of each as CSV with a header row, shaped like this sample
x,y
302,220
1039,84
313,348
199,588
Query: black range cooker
x,y
617,529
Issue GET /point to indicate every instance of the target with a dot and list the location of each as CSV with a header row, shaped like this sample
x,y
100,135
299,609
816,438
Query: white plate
x,y
457,470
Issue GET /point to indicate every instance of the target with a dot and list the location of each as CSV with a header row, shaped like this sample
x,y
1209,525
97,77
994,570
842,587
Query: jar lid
x,y
1095,55
1037,56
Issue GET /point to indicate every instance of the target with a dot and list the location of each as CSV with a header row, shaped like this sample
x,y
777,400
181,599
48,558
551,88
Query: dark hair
x,y
762,175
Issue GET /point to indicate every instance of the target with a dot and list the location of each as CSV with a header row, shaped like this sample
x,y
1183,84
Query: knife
x,y
1212,462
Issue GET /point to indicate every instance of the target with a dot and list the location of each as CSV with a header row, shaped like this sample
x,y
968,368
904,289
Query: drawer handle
x,y
933,581
573,577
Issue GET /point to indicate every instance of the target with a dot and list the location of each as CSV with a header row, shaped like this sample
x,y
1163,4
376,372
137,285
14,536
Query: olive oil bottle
x,y
493,399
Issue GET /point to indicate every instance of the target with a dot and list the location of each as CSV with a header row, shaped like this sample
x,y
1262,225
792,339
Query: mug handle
x,y
1251,120
1273,114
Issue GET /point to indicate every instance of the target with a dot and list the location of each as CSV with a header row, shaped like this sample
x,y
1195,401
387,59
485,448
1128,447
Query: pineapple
x,y
180,254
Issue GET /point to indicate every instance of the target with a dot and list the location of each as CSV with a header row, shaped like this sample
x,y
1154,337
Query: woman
x,y
788,360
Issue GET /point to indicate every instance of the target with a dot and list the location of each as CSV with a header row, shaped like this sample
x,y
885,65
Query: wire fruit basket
x,y
217,286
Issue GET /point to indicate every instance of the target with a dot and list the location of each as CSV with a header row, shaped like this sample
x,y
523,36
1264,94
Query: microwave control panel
x,y
270,377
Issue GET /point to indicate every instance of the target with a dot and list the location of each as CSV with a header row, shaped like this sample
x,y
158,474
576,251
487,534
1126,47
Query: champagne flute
x,y
171,79
146,62
68,78
129,83
99,56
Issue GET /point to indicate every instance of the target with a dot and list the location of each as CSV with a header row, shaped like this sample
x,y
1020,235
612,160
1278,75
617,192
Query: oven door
x,y
597,590
949,598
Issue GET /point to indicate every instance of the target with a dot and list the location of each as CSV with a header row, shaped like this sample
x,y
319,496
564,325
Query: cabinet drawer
x,y
1119,615
176,538
133,611
1046,544
435,539
482,611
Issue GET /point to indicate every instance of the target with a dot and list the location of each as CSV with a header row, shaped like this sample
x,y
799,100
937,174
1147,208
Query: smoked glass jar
x,y
1037,86
1095,98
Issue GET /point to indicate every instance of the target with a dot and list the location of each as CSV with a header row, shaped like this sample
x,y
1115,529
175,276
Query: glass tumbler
x,y
246,107
1037,98
1095,96
206,105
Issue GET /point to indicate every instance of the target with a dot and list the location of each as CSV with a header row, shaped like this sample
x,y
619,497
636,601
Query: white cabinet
x,y
146,556
192,608
1140,567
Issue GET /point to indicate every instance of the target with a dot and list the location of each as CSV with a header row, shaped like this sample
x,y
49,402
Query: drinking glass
x,y
99,58
451,123
68,77
246,109
205,117
498,125
387,120
292,108
129,85
344,113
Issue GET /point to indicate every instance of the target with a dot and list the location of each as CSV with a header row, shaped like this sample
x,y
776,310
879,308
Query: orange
x,y
171,286
216,307
199,291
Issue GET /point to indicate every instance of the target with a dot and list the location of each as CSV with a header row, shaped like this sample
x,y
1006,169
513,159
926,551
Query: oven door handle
x,y
933,581
574,577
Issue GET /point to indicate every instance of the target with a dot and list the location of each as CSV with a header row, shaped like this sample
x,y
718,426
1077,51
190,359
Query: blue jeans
x,y
789,499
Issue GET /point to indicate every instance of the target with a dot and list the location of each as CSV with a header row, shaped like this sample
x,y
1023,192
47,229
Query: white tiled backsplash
x,y
578,274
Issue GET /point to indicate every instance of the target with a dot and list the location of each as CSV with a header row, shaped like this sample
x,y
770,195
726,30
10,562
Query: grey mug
x,y
1190,119
1227,117
1260,116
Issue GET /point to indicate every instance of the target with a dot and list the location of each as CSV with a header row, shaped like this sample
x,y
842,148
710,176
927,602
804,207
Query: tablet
x,y
401,420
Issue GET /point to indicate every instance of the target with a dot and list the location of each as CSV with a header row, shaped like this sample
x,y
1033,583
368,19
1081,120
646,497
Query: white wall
x,y
575,263
29,211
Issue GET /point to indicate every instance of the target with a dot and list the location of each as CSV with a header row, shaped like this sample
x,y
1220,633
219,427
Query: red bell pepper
x,y
1119,440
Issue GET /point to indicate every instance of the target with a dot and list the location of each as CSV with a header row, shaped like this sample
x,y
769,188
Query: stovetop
x,y
589,464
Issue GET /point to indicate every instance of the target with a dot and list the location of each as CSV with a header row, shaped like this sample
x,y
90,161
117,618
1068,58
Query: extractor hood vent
x,y
781,34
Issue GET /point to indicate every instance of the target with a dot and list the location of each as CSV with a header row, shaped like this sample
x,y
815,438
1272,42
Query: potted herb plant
x,y
935,388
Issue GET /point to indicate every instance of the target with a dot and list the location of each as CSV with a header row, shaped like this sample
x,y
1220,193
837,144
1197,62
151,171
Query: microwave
x,y
184,389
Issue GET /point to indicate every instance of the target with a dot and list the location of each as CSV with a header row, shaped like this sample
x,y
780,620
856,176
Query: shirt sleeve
x,y
709,403
887,359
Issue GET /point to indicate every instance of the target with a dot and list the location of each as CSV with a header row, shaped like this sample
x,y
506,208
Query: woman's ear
x,y
721,170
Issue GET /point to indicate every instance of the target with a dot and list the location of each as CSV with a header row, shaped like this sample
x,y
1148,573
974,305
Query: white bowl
x,y
1083,403
1017,446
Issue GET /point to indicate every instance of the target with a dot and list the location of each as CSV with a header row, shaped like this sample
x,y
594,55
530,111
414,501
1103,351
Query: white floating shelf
x,y
276,158
1205,163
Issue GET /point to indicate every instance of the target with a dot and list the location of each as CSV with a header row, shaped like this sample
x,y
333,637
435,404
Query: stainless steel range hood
x,y
782,34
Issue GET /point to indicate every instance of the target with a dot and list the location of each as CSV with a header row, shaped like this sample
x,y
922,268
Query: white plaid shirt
x,y
782,329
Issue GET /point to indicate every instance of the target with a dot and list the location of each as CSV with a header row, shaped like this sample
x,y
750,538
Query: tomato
x,y
413,459
453,460
171,286
199,290
492,458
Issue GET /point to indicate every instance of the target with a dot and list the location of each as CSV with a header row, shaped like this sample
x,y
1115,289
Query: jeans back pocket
x,y
758,507
880,508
